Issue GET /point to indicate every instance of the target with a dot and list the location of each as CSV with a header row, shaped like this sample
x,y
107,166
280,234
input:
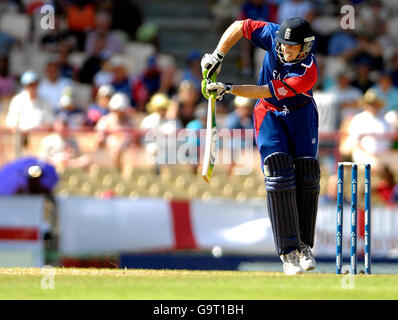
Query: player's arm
x,y
246,90
280,89
230,37
295,84
260,33
251,91
211,62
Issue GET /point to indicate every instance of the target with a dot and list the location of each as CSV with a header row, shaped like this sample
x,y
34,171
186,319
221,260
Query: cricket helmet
x,y
294,31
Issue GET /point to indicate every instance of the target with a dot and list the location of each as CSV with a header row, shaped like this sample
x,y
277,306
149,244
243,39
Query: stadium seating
x,y
172,182
16,25
141,52
392,27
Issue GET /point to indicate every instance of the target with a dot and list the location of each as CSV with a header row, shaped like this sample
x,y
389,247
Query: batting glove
x,y
220,88
211,63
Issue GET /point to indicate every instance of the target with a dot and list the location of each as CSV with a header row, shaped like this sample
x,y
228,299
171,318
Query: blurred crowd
x,y
356,92
159,96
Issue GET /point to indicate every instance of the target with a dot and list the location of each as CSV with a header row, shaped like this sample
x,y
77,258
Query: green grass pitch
x,y
71,283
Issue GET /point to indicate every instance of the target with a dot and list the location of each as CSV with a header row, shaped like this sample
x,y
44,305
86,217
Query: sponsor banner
x,y
21,224
21,211
232,225
384,231
95,226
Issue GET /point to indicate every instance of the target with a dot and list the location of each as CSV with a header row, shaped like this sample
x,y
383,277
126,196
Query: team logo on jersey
x,y
282,91
313,140
276,75
287,33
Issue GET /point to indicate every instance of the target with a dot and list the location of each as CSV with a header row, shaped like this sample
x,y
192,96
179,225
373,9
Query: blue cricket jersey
x,y
290,83
288,121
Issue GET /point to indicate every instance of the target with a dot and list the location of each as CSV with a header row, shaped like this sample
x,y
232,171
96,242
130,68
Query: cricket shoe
x,y
291,263
307,259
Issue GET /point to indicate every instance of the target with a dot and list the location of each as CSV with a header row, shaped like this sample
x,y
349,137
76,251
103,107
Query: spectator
x,y
168,82
93,64
368,51
196,126
81,19
126,16
326,80
113,44
193,71
374,17
6,43
342,44
257,10
104,76
28,175
394,73
148,32
331,107
294,8
158,123
54,37
11,6
27,110
198,123
387,92
146,84
392,119
7,81
69,111
363,80
224,12
385,186
367,131
66,69
200,120
61,149
120,78
329,111
51,87
101,106
394,195
187,99
358,47
330,196
114,128
241,117
32,7
157,118
346,98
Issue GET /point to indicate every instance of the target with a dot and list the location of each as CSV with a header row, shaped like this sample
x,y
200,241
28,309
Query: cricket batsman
x,y
286,128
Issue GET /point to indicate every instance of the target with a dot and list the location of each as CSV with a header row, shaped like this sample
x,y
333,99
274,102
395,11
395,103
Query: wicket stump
x,y
354,218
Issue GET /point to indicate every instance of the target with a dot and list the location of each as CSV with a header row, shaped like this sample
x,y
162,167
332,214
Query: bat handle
x,y
213,78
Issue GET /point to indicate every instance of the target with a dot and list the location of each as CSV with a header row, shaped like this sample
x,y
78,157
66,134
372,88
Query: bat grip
x,y
213,78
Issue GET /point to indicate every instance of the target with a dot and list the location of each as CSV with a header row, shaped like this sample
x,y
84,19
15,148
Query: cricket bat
x,y
211,136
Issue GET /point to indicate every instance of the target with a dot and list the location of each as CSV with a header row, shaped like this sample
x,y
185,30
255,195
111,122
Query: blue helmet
x,y
295,31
